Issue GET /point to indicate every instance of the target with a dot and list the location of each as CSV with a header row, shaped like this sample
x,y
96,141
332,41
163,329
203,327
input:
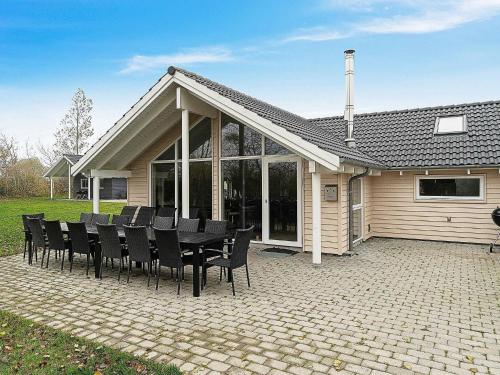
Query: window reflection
x,y
273,148
238,139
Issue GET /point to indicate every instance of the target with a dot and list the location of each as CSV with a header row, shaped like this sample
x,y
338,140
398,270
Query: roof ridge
x,y
416,109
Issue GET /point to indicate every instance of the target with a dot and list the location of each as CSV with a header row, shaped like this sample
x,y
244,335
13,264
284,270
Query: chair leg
x,y
248,276
119,269
102,266
43,257
158,277
220,276
178,283
232,284
112,264
71,262
36,254
48,257
149,272
62,259
88,263
129,270
25,249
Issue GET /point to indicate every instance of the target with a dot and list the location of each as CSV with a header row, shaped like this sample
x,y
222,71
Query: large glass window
x,y
238,139
164,184
273,148
200,140
357,209
200,188
242,193
450,187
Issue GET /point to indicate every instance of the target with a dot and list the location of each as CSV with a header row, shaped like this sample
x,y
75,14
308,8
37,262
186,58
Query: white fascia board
x,y
306,149
102,173
55,167
122,123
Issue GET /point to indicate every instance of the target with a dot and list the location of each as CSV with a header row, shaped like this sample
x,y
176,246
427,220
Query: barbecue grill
x,y
495,215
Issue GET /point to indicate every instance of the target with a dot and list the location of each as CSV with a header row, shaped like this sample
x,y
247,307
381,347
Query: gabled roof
x,y
59,169
295,124
406,139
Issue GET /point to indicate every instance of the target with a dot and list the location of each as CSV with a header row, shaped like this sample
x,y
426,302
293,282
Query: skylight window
x,y
450,124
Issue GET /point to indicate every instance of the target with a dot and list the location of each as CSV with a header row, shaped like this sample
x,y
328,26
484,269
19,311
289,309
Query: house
x,y
322,185
78,185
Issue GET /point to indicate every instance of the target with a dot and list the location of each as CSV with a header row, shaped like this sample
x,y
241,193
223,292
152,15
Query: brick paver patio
x,y
397,307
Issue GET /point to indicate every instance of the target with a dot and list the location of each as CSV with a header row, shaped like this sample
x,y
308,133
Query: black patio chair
x,y
145,216
56,240
38,239
129,211
216,227
188,225
170,254
80,243
163,222
100,219
139,249
237,258
166,211
86,217
120,221
111,247
26,229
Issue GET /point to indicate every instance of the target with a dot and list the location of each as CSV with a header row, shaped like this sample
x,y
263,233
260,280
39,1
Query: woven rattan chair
x,y
111,247
86,217
139,249
56,240
166,211
188,225
163,222
129,211
120,221
145,216
38,239
80,243
26,229
100,219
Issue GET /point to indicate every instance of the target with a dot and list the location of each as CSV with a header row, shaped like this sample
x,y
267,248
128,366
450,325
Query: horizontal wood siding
x,y
395,213
329,214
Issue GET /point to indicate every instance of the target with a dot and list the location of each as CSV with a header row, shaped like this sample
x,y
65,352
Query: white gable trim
x,y
264,126
162,84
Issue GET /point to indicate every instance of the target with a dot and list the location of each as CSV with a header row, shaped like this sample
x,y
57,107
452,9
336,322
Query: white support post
x,y
51,188
69,181
185,163
316,217
95,197
89,184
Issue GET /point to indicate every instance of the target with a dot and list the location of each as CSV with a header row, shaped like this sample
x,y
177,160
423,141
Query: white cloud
x,y
409,17
191,56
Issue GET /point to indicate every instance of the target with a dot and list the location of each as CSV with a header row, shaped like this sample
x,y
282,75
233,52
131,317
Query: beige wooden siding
x,y
395,212
329,215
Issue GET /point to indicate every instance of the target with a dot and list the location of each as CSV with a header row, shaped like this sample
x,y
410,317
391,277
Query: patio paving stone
x,y
397,307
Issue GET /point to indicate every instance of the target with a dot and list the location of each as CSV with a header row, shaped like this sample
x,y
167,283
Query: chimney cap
x,y
349,51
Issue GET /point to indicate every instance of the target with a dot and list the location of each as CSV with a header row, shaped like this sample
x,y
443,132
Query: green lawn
x,y
30,348
11,235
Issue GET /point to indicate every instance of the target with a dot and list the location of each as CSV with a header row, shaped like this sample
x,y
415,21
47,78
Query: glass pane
x,y
164,184
242,194
450,187
169,154
273,148
200,140
238,139
356,192
450,124
356,224
200,188
283,201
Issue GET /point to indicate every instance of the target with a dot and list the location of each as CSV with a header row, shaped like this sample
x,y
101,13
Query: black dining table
x,y
195,241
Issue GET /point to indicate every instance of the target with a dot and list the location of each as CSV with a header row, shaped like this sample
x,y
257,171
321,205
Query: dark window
x,y
238,139
200,188
168,154
450,187
164,180
200,140
273,148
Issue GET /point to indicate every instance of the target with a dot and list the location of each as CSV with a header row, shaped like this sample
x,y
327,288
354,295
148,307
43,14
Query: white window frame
x,y
360,207
86,183
464,125
481,177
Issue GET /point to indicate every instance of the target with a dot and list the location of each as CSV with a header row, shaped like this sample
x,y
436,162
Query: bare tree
x,y
48,155
76,126
8,153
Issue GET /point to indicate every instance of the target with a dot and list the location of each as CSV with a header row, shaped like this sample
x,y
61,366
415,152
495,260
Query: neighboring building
x,y
78,185
430,173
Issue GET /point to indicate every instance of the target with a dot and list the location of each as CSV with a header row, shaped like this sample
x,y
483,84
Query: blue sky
x,y
409,53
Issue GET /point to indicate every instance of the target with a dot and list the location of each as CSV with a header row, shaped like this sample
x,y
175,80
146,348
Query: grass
x,y
31,348
11,235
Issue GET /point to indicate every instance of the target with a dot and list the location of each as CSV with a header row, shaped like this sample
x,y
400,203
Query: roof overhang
x,y
157,111
59,168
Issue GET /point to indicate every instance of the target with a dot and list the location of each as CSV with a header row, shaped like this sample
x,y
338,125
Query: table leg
x,y
97,260
196,272
30,252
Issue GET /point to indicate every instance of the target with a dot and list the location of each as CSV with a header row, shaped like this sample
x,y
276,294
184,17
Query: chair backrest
x,y
100,219
240,247
79,238
163,222
120,220
169,251
145,216
129,211
36,230
26,216
54,234
188,225
110,241
194,212
166,211
137,243
86,217
215,226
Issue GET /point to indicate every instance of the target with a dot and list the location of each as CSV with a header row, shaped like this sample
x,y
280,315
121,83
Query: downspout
x,y
349,192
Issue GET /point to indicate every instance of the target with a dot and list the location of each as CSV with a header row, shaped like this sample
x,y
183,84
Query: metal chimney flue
x,y
349,104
